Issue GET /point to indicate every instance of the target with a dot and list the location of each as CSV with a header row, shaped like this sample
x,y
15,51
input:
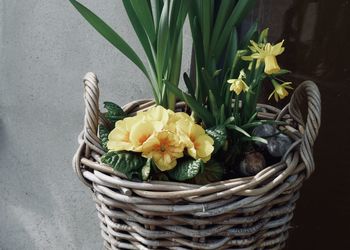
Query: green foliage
x,y
195,105
186,169
212,172
110,35
103,135
158,25
146,170
114,112
219,135
128,163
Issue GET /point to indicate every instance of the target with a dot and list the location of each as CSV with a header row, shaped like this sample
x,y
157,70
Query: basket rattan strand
x,y
244,213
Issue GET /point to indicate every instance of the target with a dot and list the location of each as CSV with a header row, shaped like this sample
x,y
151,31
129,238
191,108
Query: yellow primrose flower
x,y
280,90
267,53
199,145
164,148
175,117
238,85
143,130
119,137
157,113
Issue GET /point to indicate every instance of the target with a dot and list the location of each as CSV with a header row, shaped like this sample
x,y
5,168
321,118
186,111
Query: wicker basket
x,y
244,213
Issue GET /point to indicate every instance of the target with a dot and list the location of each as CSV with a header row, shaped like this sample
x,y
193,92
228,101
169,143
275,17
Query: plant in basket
x,y
209,153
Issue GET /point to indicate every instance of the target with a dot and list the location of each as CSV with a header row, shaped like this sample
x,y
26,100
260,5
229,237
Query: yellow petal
x,y
271,65
204,146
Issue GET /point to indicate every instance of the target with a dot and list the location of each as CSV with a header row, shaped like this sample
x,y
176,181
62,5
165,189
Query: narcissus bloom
x,y
267,53
199,145
238,85
164,148
280,90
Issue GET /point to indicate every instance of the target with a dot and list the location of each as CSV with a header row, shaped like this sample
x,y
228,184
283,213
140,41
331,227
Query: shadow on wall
x,y
317,35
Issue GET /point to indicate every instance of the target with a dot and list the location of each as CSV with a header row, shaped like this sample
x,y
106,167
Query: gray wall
x,y
46,47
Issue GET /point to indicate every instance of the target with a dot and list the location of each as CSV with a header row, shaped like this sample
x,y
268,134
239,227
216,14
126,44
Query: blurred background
x,y
46,48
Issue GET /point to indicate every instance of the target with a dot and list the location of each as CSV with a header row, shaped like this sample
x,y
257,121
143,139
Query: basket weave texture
x,y
243,214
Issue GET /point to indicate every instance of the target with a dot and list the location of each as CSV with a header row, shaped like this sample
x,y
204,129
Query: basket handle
x,y
91,118
307,91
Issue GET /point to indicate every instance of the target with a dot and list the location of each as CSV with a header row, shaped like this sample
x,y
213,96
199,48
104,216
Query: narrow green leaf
x,y
255,139
241,9
196,107
140,32
111,36
162,40
103,135
127,163
189,84
206,23
238,129
281,72
157,10
219,135
144,14
261,122
225,9
114,112
186,169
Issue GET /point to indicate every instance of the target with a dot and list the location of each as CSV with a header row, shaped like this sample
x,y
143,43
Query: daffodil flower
x,y
280,90
164,148
199,145
267,53
238,85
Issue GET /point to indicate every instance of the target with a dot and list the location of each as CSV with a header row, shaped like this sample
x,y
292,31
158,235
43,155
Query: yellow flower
x,y
280,90
268,53
238,85
164,148
176,117
119,137
157,113
199,145
143,130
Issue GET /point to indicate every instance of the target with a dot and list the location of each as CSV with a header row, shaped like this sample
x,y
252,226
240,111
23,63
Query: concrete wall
x,y
46,47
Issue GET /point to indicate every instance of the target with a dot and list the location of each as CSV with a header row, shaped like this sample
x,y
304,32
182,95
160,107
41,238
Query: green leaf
x,y
226,7
281,72
103,135
239,12
261,122
114,112
255,139
146,170
213,171
163,39
189,84
144,14
219,135
238,129
196,107
127,163
186,169
111,36
140,32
